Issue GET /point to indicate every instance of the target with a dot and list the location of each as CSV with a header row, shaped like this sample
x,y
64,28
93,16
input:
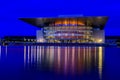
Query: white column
x,y
39,36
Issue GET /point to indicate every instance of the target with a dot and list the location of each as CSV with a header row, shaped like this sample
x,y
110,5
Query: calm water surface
x,y
59,63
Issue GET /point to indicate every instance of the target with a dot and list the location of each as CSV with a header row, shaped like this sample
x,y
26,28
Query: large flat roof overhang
x,y
94,21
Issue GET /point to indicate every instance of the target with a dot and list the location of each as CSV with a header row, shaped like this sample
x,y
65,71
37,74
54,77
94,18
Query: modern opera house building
x,y
69,29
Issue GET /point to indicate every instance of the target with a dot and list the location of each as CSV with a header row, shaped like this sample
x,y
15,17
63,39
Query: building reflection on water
x,y
67,60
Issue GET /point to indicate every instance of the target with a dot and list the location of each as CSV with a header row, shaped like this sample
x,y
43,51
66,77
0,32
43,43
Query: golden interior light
x,y
73,22
80,23
41,40
100,40
66,21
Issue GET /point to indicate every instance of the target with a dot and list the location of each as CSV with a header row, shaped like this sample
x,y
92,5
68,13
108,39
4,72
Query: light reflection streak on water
x,y
38,53
73,54
6,50
39,60
42,52
100,61
65,62
79,57
95,54
34,53
47,53
89,57
84,56
25,55
59,56
51,55
31,55
0,51
28,53
66,59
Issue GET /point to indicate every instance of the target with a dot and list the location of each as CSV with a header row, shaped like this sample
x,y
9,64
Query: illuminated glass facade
x,y
68,34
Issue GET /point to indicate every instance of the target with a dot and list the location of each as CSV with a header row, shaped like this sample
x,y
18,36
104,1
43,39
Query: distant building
x,y
69,29
112,40
20,38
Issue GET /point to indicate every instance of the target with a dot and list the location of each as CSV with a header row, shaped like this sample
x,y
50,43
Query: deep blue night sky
x,y
11,10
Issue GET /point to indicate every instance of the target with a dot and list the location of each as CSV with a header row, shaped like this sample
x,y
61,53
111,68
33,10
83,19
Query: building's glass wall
x,y
66,34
